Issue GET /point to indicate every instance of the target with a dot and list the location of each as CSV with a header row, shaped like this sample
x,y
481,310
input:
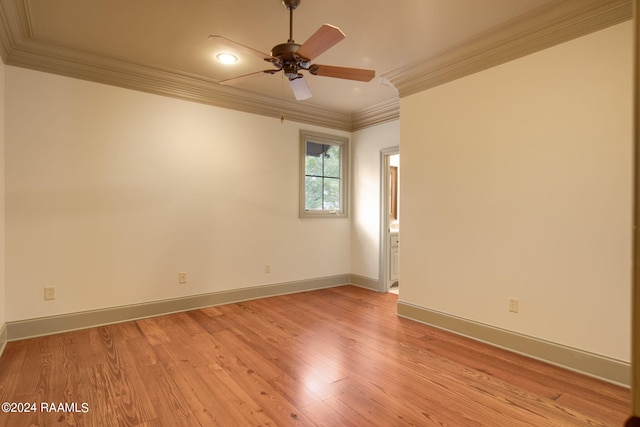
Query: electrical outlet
x,y
49,293
513,305
182,277
267,268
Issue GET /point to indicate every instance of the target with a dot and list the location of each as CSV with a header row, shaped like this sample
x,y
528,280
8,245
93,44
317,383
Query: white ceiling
x,y
383,35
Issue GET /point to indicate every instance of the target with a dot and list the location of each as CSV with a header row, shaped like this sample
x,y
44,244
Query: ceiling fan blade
x,y
235,45
359,74
300,88
244,77
325,37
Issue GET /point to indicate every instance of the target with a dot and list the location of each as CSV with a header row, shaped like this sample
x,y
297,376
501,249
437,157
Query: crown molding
x,y
8,29
553,23
377,114
5,36
548,25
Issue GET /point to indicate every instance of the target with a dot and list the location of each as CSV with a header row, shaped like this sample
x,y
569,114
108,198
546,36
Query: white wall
x,y
111,193
517,182
365,231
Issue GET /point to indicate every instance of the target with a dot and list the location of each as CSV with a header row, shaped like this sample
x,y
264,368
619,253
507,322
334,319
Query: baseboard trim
x,y
49,325
3,338
365,282
602,367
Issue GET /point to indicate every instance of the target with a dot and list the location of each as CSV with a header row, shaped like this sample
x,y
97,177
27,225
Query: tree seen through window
x,y
322,176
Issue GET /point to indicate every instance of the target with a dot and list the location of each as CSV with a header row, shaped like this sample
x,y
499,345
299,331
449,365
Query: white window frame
x,y
321,138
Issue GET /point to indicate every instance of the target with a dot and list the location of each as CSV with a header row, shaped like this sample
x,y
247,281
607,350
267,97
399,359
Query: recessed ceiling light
x,y
227,58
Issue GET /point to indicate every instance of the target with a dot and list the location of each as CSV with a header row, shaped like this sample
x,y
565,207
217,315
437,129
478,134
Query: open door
x,y
390,220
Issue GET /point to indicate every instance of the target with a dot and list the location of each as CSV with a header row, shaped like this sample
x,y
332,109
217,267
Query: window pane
x,y
331,194
332,161
323,175
313,193
314,159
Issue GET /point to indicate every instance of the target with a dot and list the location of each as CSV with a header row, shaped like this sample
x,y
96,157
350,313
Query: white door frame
x,y
383,274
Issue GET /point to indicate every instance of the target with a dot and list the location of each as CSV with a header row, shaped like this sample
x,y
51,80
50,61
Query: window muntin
x,y
324,175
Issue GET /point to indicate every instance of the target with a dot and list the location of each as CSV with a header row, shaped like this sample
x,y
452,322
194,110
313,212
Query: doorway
x,y
390,219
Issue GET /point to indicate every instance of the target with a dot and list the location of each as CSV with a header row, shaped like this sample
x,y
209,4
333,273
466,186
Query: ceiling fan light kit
x,y
291,58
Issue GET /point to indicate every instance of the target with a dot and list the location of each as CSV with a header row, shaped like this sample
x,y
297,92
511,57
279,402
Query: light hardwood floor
x,y
333,357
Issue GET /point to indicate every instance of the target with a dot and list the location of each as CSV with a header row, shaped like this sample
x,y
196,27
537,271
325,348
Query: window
x,y
323,183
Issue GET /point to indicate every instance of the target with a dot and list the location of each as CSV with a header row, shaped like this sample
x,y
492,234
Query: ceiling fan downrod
x,y
291,6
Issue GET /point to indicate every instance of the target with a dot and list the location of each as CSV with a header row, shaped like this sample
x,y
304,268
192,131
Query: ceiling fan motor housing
x,y
288,61
285,51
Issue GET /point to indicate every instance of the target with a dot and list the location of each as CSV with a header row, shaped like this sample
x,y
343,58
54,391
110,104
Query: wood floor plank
x,y
337,356
166,399
247,408
143,352
323,415
256,375
196,394
117,383
13,359
594,406
153,329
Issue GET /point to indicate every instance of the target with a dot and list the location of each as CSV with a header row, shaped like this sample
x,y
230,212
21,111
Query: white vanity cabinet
x,y
394,249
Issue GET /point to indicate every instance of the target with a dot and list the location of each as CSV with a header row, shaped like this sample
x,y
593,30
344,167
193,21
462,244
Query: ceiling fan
x,y
291,57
